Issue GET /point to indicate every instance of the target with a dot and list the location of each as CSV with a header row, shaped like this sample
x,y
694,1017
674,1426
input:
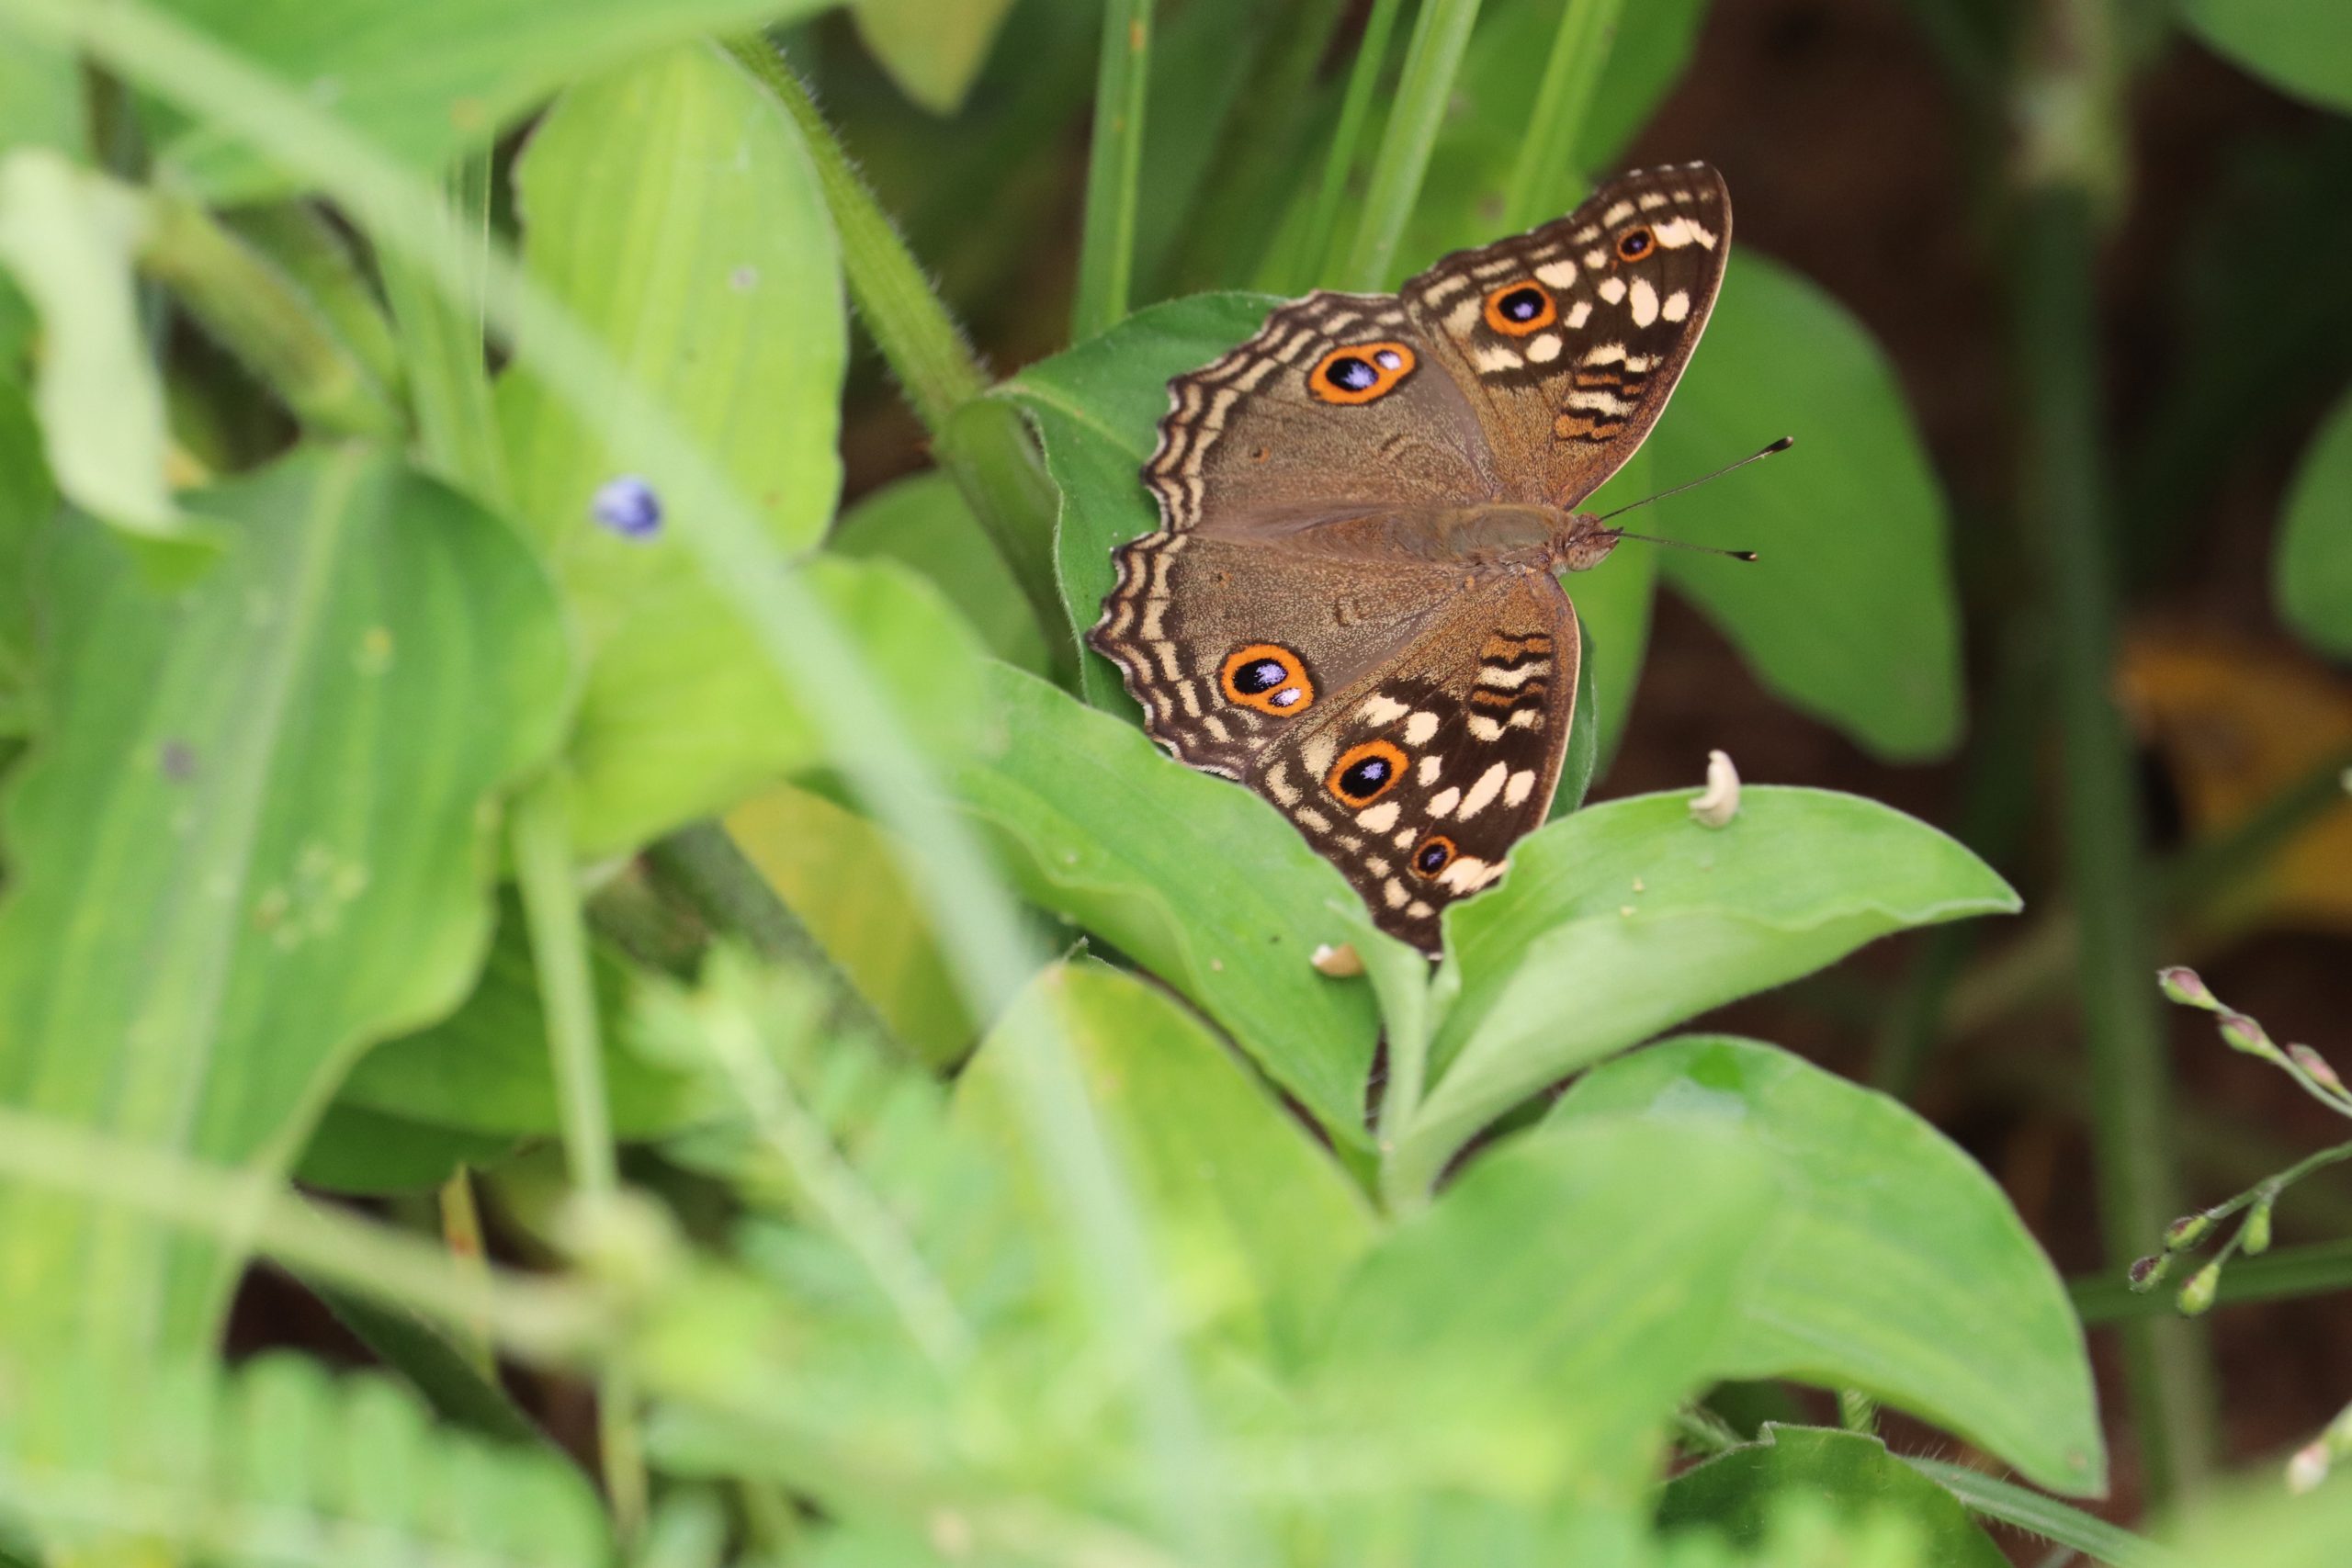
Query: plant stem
x,y
1546,168
706,867
461,1234
543,868
538,1318
1106,255
2283,1274
2062,512
441,347
1440,34
980,444
1315,246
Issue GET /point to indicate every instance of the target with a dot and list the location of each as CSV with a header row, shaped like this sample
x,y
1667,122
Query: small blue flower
x,y
628,507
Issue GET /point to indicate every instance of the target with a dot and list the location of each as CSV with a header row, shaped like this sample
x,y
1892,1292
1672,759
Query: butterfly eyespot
x,y
1434,855
1635,243
1363,774
1360,372
1521,308
1269,678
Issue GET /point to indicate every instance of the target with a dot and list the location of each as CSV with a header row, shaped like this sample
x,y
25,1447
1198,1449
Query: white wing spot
x,y
1490,360
1644,303
1484,728
1490,785
1521,785
1459,319
1432,765
1381,710
1380,819
1443,801
1676,306
1319,754
1545,349
1418,729
1558,273
1314,819
1393,894
1467,874
1509,679
1579,313
1419,910
1527,718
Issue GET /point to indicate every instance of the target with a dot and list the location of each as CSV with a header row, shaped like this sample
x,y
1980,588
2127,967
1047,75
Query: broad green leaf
x,y
363,1152
674,208
256,838
840,874
932,49
483,1070
1899,1267
922,523
1097,406
2313,575
2304,48
427,79
2259,1525
1256,1224
1534,1329
1850,612
1197,879
1626,918
1735,1494
27,502
41,97
69,236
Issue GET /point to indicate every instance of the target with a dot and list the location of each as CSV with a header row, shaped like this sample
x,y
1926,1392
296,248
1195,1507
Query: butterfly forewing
x,y
1568,340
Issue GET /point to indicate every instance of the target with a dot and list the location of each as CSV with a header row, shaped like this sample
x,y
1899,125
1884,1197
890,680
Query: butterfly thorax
x,y
1507,536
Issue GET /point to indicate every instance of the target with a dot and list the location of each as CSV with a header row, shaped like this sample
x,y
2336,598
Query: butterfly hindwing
x,y
1417,780
1568,340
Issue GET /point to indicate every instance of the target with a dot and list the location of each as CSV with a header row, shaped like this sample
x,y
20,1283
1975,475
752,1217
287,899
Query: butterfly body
x,y
1351,604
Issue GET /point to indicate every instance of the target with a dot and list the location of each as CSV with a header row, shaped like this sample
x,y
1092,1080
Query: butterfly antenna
x,y
1683,544
1782,445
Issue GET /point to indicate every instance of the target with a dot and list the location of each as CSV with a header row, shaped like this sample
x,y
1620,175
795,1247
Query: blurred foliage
x,y
422,430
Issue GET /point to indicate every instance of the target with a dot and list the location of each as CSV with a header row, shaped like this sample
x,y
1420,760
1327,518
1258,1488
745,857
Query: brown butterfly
x,y
1351,604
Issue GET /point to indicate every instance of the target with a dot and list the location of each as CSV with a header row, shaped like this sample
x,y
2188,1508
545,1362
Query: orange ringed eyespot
x,y
1635,242
1521,308
1268,677
1360,372
1435,853
1363,774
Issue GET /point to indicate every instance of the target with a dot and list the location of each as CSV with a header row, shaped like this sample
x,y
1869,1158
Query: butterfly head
x,y
1579,542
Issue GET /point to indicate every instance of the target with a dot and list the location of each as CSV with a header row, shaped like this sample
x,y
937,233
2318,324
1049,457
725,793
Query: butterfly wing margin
x,y
1566,398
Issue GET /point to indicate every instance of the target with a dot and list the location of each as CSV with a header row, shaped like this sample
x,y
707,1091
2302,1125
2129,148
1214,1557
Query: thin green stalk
x,y
461,1234
538,1318
706,867
982,445
543,870
2063,516
857,721
441,339
1545,172
1433,58
1315,245
1106,253
2069,1526
2285,1273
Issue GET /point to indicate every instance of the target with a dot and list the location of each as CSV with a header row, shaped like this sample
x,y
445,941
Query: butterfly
x,y
1351,603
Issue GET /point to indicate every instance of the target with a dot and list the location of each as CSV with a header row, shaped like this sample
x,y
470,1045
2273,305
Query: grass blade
x,y
1441,35
1107,257
1542,176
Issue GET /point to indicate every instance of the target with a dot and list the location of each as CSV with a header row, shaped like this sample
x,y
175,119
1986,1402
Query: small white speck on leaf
x,y
1339,963
1716,804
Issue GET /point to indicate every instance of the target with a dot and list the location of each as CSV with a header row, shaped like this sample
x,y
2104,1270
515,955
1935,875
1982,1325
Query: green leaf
x,y
1850,612
69,235
425,79
922,523
840,874
1623,919
484,1069
27,502
1195,877
2304,48
932,49
1097,408
1855,1475
257,838
1899,1267
366,1153
1989,1497
2260,1525
1257,1226
41,97
2312,579
1536,1326
672,207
